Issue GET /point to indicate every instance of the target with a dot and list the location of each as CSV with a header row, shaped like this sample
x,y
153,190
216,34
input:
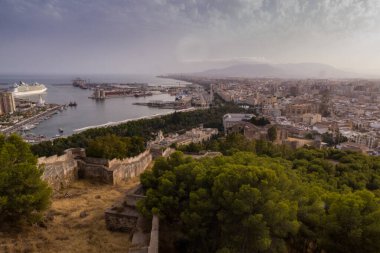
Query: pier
x,y
36,118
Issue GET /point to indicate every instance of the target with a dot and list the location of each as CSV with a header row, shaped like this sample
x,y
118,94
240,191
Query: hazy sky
x,y
161,36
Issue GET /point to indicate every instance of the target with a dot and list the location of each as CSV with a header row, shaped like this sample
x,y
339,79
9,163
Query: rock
x,y
97,196
83,214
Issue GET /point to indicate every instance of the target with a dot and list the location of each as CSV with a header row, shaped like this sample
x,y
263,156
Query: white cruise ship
x,y
24,89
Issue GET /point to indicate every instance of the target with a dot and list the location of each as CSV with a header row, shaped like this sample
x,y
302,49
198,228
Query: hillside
x,y
260,70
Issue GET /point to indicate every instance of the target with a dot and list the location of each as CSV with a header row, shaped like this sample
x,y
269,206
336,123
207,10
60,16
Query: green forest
x,y
144,128
259,197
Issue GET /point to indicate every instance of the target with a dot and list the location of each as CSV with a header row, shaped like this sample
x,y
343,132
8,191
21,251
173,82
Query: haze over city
x,y
163,36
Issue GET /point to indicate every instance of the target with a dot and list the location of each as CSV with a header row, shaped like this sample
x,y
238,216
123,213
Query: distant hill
x,y
298,70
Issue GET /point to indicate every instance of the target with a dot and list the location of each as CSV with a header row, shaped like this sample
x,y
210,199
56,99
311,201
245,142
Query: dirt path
x,y
76,224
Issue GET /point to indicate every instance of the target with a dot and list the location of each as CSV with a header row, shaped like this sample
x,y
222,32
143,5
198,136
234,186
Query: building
x,y
7,103
311,118
298,109
232,119
300,142
249,130
99,93
196,135
357,147
161,146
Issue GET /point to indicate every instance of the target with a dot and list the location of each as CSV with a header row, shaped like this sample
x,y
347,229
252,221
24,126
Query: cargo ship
x,y
23,89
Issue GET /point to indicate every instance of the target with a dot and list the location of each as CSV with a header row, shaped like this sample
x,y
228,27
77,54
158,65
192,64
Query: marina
x,y
32,122
80,111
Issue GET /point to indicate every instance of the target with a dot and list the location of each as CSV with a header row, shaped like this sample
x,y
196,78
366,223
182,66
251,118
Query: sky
x,y
167,36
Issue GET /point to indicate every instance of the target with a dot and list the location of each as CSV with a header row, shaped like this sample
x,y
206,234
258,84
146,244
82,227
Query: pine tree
x,y
23,194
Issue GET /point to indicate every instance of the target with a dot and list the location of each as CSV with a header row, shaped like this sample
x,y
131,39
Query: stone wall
x,y
154,235
97,161
123,216
124,220
59,171
52,159
95,172
113,171
158,151
130,168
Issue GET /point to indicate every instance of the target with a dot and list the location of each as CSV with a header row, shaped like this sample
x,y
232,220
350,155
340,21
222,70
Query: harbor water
x,y
90,112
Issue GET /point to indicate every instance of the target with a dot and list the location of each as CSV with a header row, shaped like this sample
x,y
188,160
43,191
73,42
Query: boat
x,y
80,83
24,89
60,130
73,104
28,127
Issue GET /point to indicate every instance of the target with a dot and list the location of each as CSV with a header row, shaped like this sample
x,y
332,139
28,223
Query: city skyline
x,y
52,36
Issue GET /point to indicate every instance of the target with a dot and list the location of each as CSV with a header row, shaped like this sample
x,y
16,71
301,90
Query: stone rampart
x,y
145,238
154,235
130,168
95,172
59,171
113,171
137,158
52,159
97,161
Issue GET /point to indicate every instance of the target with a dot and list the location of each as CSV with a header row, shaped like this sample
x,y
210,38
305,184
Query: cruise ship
x,y
24,89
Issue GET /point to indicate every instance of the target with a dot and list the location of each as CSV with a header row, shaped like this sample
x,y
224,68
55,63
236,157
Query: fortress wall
x,y
95,172
130,168
59,171
137,158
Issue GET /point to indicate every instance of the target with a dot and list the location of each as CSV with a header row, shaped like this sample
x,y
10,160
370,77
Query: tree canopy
x,y
262,200
23,195
144,128
259,121
112,146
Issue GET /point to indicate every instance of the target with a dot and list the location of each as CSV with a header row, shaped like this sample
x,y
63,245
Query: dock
x,y
36,118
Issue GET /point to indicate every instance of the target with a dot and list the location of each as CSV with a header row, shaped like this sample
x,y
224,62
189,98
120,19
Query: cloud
x,y
147,33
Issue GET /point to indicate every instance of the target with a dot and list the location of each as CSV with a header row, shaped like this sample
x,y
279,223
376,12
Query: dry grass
x,y
67,232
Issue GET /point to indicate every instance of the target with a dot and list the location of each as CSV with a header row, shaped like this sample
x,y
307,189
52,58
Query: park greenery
x,y
272,133
111,146
23,194
333,139
144,128
261,197
259,121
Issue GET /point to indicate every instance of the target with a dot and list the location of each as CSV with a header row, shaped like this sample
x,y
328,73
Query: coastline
x,y
109,124
33,119
97,114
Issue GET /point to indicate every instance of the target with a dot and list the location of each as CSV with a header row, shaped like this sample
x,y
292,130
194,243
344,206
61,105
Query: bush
x,y
23,194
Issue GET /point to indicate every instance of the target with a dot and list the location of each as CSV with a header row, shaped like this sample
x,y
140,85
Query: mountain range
x,y
265,70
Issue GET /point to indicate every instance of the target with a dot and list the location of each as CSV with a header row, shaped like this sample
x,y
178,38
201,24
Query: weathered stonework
x,y
130,168
95,172
59,171
121,220
114,171
124,217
